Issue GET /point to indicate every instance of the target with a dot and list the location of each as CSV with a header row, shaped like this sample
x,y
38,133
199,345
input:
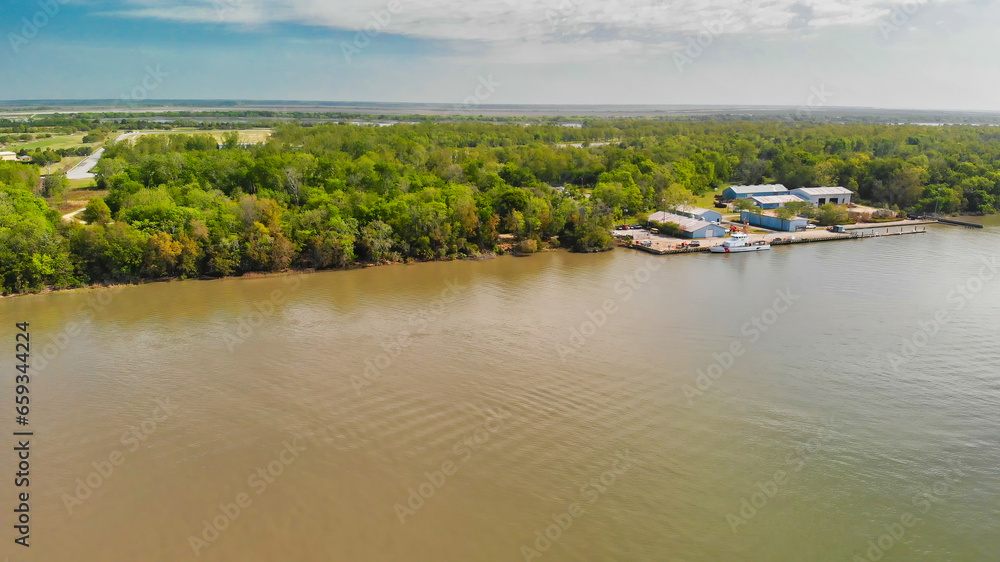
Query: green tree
x,y
55,185
97,212
801,208
676,195
784,213
830,214
375,241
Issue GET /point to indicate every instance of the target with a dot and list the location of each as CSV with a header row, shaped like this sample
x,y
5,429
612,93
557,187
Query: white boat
x,y
740,242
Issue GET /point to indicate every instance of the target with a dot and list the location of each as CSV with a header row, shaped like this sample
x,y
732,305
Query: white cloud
x,y
505,21
546,31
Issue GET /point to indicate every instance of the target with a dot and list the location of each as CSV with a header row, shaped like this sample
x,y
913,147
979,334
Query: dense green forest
x,y
331,195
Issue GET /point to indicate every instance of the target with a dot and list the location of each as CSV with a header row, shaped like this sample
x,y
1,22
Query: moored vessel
x,y
740,242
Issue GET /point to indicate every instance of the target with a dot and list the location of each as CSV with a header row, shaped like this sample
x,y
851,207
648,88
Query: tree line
x,y
332,195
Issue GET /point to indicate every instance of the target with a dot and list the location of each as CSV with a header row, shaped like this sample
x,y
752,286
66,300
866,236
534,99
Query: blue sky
x,y
880,53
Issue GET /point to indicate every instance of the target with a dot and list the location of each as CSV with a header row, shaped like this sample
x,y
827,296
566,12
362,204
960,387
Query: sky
x,y
804,53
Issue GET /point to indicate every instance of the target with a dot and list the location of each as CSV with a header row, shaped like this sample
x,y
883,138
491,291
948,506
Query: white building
x,y
707,215
9,156
823,195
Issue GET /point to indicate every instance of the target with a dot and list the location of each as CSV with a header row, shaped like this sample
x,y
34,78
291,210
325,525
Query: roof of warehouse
x,y
687,224
768,199
825,190
773,188
693,210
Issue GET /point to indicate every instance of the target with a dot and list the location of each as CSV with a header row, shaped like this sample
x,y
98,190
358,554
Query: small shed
x,y
745,191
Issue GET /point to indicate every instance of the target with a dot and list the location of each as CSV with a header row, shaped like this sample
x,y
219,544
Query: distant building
x,y
239,145
775,201
823,195
706,215
690,228
8,156
744,191
773,223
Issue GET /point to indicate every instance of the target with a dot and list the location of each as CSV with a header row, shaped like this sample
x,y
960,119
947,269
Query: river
x,y
834,401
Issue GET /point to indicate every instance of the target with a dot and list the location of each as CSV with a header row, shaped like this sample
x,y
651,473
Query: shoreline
x,y
776,240
486,256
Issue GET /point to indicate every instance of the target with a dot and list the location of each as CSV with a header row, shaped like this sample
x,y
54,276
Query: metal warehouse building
x,y
690,228
706,215
774,223
744,191
775,201
823,195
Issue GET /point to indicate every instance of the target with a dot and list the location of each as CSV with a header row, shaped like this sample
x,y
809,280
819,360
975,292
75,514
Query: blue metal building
x,y
774,223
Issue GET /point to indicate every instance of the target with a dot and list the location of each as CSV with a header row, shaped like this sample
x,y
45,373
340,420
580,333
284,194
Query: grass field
x,y
74,199
706,200
251,136
57,142
54,143
82,184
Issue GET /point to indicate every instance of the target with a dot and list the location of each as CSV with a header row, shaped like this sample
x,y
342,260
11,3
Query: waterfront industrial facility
x,y
687,228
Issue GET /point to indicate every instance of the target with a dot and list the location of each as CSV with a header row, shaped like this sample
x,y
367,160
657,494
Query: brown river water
x,y
834,401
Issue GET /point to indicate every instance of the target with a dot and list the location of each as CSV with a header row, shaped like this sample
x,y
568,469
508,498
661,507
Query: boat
x,y
740,242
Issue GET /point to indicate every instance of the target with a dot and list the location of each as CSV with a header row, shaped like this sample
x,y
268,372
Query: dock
x,y
956,222
858,232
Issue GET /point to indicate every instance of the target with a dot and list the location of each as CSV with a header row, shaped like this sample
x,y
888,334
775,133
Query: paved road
x,y
82,171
